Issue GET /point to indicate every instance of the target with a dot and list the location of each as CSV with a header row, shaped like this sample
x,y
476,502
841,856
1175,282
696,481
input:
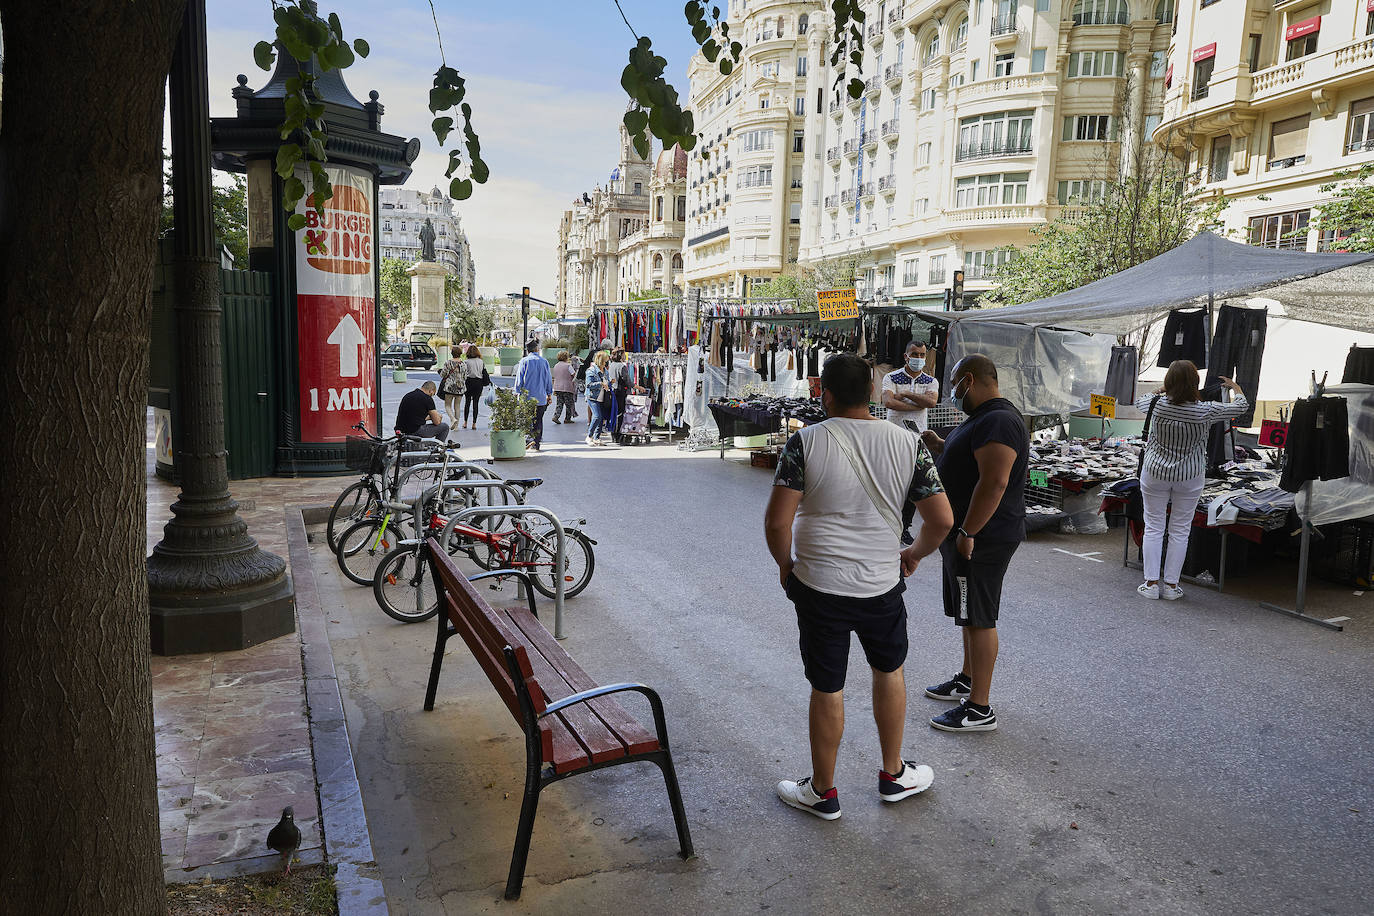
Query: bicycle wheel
x,y
355,502
404,587
364,545
579,562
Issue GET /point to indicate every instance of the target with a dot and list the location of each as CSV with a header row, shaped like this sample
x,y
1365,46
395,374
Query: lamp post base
x,y
222,622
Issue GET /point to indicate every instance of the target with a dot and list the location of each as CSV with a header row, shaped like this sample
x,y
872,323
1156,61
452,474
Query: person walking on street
x,y
1174,470
983,467
598,397
579,374
451,385
908,392
832,527
564,388
615,373
534,379
417,415
475,378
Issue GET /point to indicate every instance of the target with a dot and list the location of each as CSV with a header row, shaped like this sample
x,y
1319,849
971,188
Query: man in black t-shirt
x,y
418,415
983,467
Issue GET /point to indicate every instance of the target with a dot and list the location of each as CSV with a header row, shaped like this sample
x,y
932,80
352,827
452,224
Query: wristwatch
x,y
965,533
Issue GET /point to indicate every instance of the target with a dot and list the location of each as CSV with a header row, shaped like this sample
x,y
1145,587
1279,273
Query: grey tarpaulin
x,y
1353,496
1043,371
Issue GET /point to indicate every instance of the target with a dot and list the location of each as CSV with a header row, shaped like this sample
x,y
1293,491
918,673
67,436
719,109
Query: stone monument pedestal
x,y
427,300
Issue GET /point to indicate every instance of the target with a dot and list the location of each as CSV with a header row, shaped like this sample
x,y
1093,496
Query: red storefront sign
x,y
1299,29
1204,52
336,310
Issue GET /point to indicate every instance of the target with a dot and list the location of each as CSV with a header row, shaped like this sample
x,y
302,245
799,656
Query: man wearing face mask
x,y
908,392
983,467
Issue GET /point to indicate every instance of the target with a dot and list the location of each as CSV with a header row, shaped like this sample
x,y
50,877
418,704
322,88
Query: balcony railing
x,y
851,146
992,150
1217,173
873,86
832,201
870,138
796,182
847,196
833,154
1200,91
707,236
837,108
1288,163
890,129
1004,24
866,189
893,74
1359,146
990,214
887,183
895,16
875,33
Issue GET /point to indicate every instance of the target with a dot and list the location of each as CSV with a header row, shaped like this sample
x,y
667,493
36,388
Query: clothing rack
x,y
1305,550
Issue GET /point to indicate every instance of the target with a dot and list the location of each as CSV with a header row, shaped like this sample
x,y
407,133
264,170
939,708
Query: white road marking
x,y
1081,556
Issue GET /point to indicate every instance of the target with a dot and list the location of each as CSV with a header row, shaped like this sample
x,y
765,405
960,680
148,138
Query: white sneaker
x,y
801,796
1170,592
591,441
913,778
1148,591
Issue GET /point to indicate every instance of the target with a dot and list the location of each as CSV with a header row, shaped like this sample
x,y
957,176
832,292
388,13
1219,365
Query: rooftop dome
x,y
671,165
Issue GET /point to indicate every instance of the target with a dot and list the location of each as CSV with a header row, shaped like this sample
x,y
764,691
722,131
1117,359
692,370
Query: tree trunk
x,y
80,190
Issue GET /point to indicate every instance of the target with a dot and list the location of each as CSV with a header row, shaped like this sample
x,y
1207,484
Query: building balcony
x,y
1003,25
832,201
832,155
992,150
887,184
891,129
837,110
1002,87
847,196
893,74
875,34
873,86
866,190
869,139
708,236
1348,63
894,16
1002,213
851,147
852,102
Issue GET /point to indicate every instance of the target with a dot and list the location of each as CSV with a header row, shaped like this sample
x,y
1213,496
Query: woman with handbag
x,y
1174,468
451,385
475,378
598,397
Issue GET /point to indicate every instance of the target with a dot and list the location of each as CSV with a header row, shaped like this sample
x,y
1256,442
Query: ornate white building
x,y
403,213
1266,101
744,198
978,121
651,258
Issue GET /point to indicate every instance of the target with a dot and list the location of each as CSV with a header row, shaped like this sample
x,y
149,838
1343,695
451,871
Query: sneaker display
x,y
1170,592
1147,591
800,795
912,779
956,688
964,718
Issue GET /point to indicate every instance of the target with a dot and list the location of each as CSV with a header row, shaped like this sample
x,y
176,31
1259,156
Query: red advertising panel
x,y
1204,52
335,310
1299,29
1169,73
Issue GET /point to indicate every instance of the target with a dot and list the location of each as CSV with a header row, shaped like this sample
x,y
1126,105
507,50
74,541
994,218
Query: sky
x,y
543,79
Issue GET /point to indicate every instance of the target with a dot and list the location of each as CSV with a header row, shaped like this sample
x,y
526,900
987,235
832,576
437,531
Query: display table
x,y
750,417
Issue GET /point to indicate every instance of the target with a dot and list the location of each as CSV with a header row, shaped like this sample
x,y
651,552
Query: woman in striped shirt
x,y
1175,468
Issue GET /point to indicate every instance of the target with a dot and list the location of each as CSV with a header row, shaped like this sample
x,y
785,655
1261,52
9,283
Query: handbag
x,y
1135,503
486,377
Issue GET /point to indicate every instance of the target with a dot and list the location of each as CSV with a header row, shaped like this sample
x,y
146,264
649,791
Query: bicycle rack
x,y
559,558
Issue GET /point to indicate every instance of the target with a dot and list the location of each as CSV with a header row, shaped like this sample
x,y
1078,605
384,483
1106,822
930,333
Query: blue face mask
x,y
916,363
958,399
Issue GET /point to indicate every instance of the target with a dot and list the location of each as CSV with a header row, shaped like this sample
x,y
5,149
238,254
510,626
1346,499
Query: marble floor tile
x,y
242,842
227,758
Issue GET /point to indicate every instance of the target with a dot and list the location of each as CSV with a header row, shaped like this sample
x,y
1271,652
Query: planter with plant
x,y
441,347
512,414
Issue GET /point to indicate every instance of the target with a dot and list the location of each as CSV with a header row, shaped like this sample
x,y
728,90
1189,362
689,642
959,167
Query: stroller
x,y
635,423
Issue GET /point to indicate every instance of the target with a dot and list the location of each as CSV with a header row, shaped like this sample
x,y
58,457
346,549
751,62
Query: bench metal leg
x,y
523,832
446,630
684,835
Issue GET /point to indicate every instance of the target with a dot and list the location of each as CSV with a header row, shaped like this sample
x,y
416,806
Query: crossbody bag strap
x,y
1145,437
845,445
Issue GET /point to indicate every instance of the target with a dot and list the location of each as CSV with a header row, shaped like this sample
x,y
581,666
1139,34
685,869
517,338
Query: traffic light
x,y
957,293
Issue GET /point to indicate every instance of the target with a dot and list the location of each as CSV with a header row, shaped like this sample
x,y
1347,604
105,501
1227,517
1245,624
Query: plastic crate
x,y
365,455
1345,554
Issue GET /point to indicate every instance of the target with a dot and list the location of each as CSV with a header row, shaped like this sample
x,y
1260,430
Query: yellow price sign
x,y
836,304
1100,405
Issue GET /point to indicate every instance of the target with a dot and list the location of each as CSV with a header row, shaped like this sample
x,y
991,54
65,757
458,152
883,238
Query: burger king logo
x,y
339,241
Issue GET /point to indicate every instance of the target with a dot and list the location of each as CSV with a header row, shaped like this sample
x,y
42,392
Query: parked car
x,y
411,356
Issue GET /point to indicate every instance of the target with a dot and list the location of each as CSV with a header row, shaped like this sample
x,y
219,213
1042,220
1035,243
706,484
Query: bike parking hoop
x,y
560,555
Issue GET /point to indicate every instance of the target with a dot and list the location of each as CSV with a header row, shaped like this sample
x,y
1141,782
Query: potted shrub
x,y
512,414
441,347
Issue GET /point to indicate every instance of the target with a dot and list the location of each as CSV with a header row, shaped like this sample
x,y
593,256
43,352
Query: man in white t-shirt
x,y
832,526
908,391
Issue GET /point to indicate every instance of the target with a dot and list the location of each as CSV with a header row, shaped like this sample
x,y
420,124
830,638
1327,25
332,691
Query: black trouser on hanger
x,y
1185,337
1359,366
1238,350
1318,442
1122,370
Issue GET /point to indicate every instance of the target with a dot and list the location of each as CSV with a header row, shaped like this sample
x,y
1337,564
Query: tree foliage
x,y
1349,212
395,286
801,283
229,210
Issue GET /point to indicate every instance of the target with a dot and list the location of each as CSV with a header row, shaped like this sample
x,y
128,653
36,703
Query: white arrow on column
x,y
349,338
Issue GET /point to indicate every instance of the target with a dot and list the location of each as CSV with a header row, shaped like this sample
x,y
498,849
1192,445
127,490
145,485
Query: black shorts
x,y
825,622
973,588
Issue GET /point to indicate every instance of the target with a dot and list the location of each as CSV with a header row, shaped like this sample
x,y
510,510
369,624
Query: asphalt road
x,y
1199,756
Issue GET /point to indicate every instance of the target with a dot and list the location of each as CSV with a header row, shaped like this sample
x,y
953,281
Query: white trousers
x,y
1169,506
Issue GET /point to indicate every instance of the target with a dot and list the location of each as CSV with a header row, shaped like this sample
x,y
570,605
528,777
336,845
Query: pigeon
x,y
285,838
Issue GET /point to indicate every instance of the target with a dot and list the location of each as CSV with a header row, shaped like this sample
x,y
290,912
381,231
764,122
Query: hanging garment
x,y
1318,443
1238,350
1122,369
1359,366
1185,337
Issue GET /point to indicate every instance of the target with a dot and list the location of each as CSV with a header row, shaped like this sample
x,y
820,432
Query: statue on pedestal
x,y
427,241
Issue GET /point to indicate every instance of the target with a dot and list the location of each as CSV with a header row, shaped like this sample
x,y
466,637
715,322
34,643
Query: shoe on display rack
x,y
1170,592
956,688
1147,591
801,796
913,778
964,718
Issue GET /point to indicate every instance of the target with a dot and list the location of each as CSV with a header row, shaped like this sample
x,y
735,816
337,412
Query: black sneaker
x,y
907,539
956,688
964,718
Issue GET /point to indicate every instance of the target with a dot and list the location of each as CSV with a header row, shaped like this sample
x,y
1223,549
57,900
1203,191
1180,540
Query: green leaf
x,y
735,49
856,88
317,150
460,189
293,190
701,31
692,11
288,154
264,55
636,120
361,47
726,67
295,222
336,26
641,145
629,81
343,55
480,171
710,50
442,127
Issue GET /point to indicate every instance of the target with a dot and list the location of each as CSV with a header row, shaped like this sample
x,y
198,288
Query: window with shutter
x,y
1288,143
1361,136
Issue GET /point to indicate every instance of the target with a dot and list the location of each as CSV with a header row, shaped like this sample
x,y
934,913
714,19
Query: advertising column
x,y
336,310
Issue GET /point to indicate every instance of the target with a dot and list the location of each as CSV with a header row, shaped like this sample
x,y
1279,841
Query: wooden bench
x,y
571,724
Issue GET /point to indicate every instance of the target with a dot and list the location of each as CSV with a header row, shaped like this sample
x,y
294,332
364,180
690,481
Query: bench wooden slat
x,y
633,736
493,664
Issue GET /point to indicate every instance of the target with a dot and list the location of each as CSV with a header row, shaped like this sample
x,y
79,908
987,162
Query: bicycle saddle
x,y
528,483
